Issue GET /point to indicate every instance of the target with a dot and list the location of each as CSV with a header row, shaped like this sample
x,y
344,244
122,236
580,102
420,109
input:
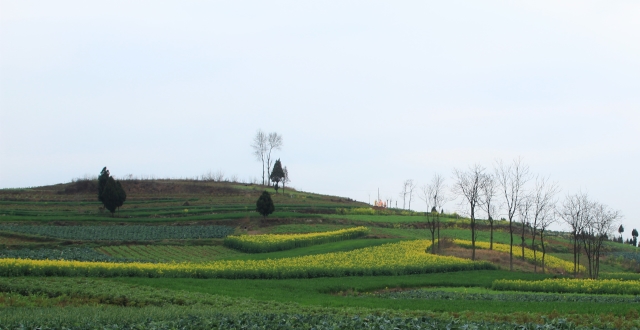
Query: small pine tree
x,y
264,205
277,174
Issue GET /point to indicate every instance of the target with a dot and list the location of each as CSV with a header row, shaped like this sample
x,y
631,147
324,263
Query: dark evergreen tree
x,y
264,205
110,195
620,231
110,191
277,174
102,182
634,233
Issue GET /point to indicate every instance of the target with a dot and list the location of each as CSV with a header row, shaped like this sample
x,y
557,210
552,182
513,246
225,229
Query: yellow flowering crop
x,y
406,257
549,260
278,242
570,286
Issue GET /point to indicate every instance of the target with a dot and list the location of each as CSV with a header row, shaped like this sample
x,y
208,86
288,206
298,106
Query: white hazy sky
x,y
365,93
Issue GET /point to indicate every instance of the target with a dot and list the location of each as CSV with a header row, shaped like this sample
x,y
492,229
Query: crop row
x,y
406,257
103,291
564,285
122,233
620,276
515,297
166,253
549,260
271,321
279,242
69,253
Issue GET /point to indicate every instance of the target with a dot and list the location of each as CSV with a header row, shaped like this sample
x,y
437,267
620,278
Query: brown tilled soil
x,y
501,259
497,258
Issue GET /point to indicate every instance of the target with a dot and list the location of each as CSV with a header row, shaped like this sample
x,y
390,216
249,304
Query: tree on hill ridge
x,y
260,149
110,193
274,141
277,174
102,181
285,179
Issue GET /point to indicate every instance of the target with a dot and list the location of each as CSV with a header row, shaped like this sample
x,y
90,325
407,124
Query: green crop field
x,y
168,253
160,262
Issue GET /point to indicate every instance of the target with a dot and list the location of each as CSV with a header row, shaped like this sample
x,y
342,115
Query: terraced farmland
x,y
151,258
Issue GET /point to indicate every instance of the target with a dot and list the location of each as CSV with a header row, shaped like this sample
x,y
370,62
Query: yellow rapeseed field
x,y
406,257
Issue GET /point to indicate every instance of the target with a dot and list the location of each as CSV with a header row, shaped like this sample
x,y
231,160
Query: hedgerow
x,y
563,285
279,242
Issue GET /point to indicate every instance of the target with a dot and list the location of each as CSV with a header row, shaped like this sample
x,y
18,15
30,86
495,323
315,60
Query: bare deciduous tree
x,y
410,188
543,204
489,191
407,188
524,215
219,176
433,195
274,142
260,147
286,179
469,185
575,212
544,222
598,225
511,180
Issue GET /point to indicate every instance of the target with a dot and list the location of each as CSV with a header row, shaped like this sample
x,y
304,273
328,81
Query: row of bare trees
x,y
591,222
526,201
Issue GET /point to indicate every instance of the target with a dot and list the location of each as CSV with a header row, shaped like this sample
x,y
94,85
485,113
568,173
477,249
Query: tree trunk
x,y
575,253
433,242
533,247
432,229
543,249
491,235
438,233
473,235
522,239
511,245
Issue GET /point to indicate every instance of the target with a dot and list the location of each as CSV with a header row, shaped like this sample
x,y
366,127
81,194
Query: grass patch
x,y
317,292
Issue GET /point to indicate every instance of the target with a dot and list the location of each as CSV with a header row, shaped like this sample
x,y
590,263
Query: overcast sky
x,y
365,94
